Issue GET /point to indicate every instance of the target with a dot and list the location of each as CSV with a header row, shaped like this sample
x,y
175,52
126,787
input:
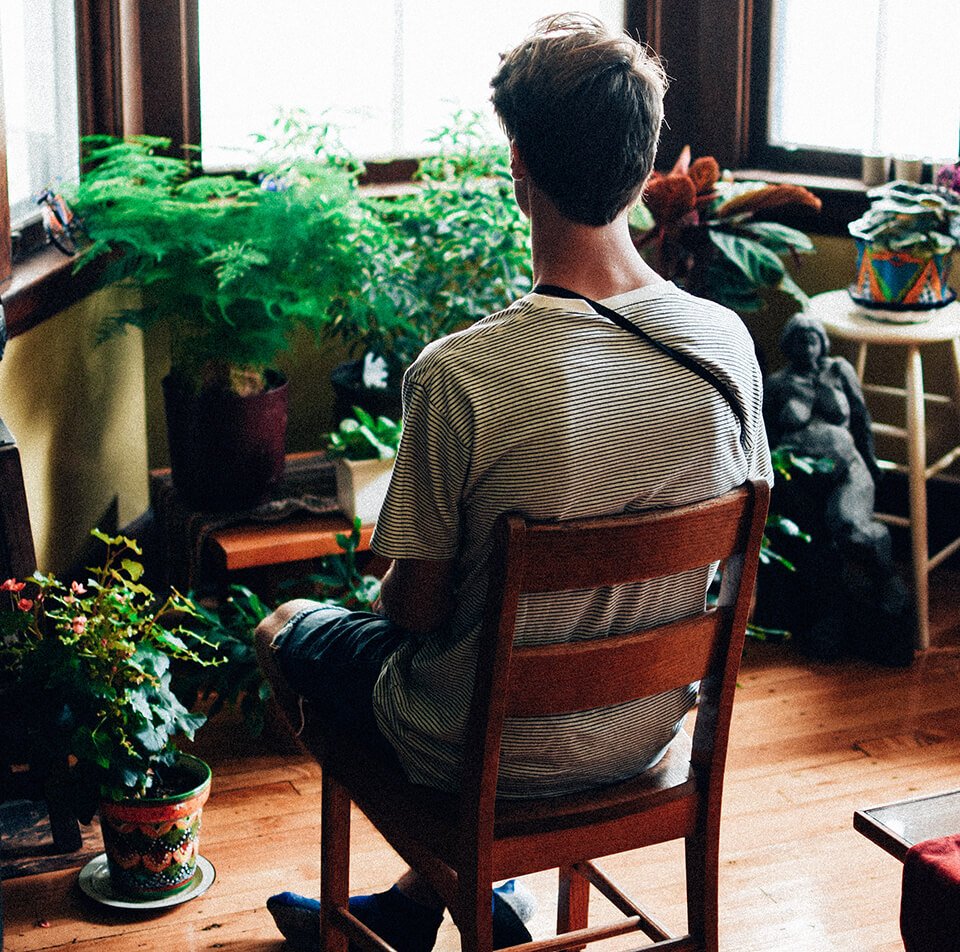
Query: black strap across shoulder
x,y
704,373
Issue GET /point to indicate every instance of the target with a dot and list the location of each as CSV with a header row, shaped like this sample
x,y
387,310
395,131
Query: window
x,y
877,77
386,73
834,81
56,81
40,99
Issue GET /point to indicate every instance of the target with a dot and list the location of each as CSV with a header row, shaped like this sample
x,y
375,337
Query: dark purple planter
x,y
226,451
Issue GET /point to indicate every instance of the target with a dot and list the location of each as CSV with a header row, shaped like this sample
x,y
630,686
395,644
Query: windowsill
x,y
43,284
844,199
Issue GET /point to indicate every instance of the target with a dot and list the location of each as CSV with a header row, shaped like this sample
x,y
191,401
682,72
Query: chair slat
x,y
584,554
611,670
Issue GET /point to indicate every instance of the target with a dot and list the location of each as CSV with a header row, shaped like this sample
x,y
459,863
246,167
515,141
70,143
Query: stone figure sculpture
x,y
846,596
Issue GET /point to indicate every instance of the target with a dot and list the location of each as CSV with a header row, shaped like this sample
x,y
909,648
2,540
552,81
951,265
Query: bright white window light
x,y
386,73
877,77
38,46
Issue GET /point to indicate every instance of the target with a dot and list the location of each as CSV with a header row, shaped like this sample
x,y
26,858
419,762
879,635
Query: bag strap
x,y
694,366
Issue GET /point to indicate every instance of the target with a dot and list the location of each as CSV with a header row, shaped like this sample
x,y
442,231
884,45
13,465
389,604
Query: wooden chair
x,y
462,844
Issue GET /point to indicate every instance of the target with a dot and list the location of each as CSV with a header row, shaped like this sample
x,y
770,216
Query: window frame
x,y
38,282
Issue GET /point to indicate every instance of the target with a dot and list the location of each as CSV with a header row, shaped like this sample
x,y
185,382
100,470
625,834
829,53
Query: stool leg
x,y
955,368
917,460
861,361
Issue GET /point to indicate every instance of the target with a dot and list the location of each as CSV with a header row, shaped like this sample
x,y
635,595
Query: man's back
x,y
551,410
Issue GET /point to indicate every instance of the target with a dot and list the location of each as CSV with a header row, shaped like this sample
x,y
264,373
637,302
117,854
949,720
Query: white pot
x,y
361,487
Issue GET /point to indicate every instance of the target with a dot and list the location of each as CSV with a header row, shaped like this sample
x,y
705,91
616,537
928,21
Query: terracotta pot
x,y
152,844
226,451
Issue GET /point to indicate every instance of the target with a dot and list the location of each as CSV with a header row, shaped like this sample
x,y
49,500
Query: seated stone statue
x,y
846,596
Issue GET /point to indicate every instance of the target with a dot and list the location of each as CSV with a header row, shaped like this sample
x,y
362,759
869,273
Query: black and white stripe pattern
x,y
549,409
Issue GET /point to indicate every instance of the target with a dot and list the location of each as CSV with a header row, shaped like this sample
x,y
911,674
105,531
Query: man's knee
x,y
268,629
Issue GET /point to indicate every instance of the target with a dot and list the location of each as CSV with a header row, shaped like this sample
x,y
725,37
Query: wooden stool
x,y
845,320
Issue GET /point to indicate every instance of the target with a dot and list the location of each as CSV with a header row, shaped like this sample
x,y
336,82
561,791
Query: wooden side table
x,y
203,548
845,320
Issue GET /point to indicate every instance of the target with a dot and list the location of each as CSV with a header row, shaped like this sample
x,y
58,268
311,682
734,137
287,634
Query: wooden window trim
x,y
39,283
717,56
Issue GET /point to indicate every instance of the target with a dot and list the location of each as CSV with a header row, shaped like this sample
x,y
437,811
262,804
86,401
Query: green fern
x,y
231,267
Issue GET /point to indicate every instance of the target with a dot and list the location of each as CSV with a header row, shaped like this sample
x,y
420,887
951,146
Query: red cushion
x,y
930,899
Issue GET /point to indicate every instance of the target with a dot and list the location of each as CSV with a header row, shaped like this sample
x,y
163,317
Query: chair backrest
x,y
17,557
590,553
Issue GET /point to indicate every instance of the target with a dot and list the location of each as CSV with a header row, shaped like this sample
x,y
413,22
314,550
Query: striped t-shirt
x,y
551,410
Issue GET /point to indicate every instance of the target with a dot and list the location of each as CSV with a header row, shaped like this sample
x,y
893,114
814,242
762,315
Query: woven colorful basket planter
x,y
152,844
898,281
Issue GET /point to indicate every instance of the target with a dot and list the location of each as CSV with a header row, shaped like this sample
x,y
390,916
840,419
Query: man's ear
x,y
518,168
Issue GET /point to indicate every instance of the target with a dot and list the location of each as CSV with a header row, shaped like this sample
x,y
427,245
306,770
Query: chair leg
x,y
334,861
702,867
474,919
573,903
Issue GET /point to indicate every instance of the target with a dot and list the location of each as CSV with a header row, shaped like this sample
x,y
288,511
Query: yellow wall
x,y
77,413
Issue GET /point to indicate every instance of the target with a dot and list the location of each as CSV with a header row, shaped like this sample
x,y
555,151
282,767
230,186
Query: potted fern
x,y
91,662
230,265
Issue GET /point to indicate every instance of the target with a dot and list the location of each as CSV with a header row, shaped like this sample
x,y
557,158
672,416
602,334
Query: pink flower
x,y
77,588
68,599
25,604
79,624
12,585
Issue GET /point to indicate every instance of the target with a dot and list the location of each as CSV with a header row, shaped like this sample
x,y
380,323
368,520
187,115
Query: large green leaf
x,y
777,237
757,263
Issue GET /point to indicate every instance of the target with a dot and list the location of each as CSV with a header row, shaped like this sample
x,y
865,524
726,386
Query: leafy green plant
x,y
231,264
451,249
363,437
229,673
920,219
702,229
91,663
340,580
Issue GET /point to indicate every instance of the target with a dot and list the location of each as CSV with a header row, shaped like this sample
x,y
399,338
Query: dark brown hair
x,y
583,105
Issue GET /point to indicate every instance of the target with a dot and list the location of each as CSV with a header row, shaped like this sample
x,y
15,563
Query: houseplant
x,y
91,663
364,449
229,674
230,265
904,244
451,249
704,231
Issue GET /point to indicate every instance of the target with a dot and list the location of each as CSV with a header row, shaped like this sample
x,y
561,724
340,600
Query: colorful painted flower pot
x,y
152,844
897,280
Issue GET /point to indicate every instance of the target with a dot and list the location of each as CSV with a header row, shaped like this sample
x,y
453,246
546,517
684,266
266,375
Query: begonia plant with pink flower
x,y
90,666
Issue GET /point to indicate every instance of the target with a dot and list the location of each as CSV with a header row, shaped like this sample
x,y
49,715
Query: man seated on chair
x,y
550,409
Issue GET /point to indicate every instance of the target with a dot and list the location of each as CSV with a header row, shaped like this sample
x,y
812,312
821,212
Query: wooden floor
x,y
810,744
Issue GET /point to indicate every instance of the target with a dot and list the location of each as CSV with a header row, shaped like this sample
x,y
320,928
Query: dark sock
x,y
406,925
508,927
398,920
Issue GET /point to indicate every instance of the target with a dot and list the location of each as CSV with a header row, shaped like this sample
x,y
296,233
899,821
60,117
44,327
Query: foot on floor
x,y
398,920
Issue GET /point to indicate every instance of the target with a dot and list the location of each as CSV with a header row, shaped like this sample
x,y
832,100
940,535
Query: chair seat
x,y
391,801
